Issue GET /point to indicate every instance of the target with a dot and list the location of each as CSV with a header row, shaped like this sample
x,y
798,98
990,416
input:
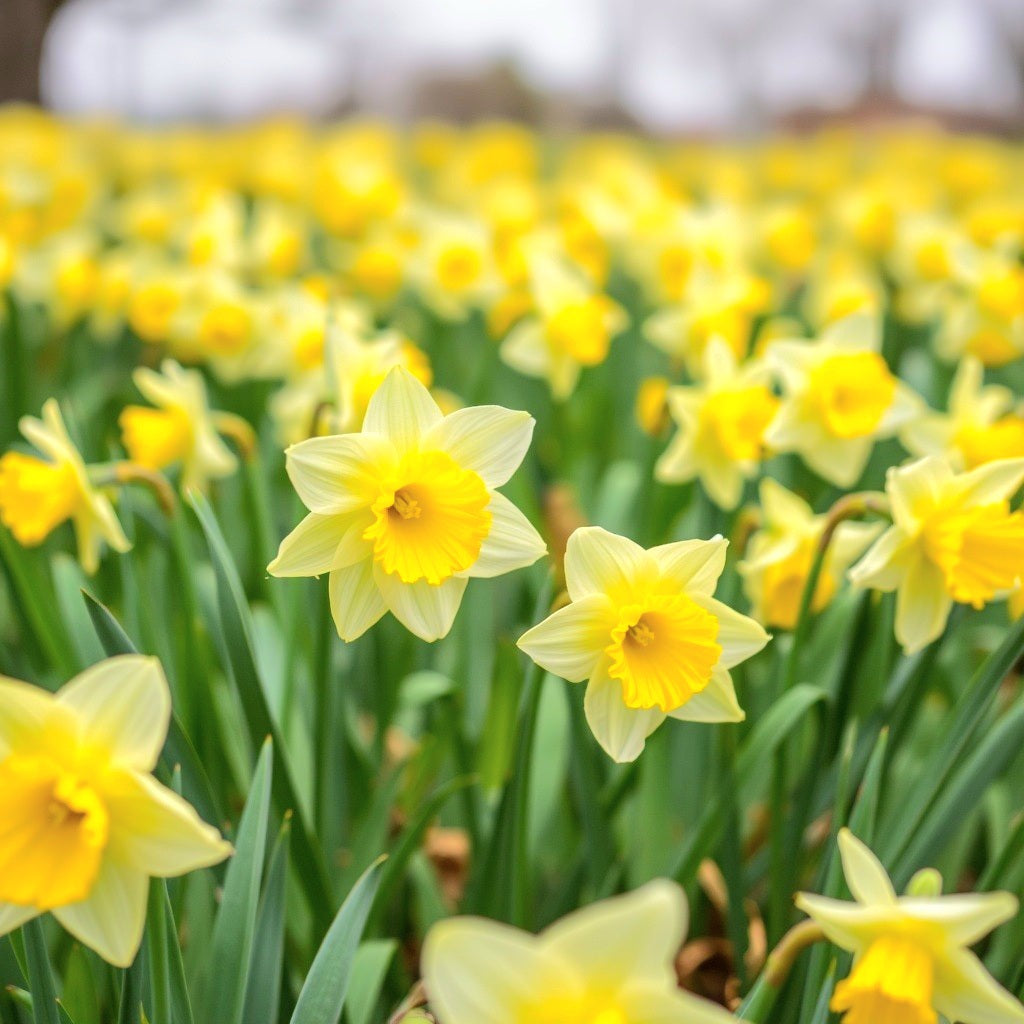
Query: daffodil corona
x,y
405,512
911,960
645,630
85,825
610,963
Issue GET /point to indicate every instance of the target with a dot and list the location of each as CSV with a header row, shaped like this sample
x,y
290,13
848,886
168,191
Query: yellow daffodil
x,y
38,494
610,963
454,266
405,512
953,538
85,823
645,630
839,396
980,426
781,553
573,328
722,423
911,956
180,429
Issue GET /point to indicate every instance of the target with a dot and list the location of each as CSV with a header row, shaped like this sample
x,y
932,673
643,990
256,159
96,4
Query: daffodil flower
x,y
85,824
911,956
405,512
839,397
722,423
180,429
573,327
781,553
979,427
953,538
39,494
610,963
644,628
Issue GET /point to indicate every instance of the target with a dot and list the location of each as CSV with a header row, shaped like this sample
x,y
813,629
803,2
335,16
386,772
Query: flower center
x,y
852,391
979,550
570,1010
663,651
737,421
1003,439
53,830
458,267
430,519
783,585
225,329
891,984
155,438
579,329
36,496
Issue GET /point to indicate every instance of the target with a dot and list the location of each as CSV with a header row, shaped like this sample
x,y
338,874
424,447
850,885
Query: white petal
x,y
886,562
858,332
12,917
482,972
994,481
512,542
124,708
723,482
624,940
111,920
401,409
867,879
695,565
339,474
915,489
570,641
671,1006
677,463
488,439
965,991
155,831
356,600
782,507
26,711
717,702
922,606
622,731
525,349
965,917
839,460
599,562
310,548
740,636
424,609
849,925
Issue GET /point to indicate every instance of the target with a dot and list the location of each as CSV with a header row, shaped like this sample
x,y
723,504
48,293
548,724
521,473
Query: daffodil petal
x,y
994,481
488,439
512,542
740,636
525,349
622,731
922,605
849,925
124,708
914,489
665,1006
310,548
885,563
694,565
717,702
157,832
599,562
111,920
339,474
965,917
627,939
782,507
482,972
569,642
12,917
401,409
425,609
356,600
27,709
867,879
965,991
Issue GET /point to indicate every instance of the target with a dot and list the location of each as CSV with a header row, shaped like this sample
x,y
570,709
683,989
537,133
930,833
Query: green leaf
x,y
235,927
368,973
323,995
237,627
40,975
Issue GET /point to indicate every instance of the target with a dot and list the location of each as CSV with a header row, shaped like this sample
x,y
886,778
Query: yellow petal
x,y
488,439
965,991
25,713
864,873
425,609
123,706
599,562
739,636
569,643
511,543
313,547
693,565
339,474
922,605
965,917
356,600
717,702
622,731
401,410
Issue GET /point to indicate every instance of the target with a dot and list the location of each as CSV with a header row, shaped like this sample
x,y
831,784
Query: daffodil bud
x,y
927,882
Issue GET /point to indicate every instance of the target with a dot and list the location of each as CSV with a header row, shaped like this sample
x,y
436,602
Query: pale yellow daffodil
x,y
39,494
953,538
405,512
645,630
980,426
178,429
839,397
610,963
911,955
721,425
781,553
85,823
